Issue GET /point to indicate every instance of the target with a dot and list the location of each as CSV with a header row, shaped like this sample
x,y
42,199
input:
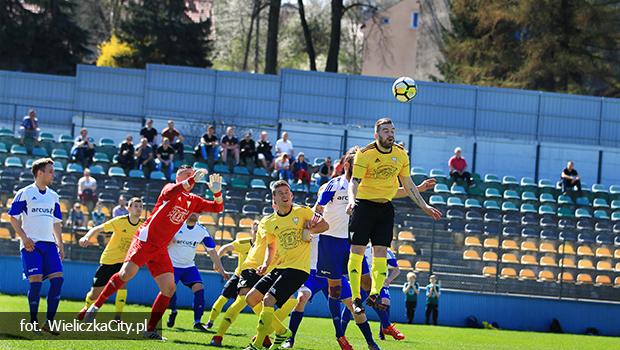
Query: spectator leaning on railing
x,y
29,127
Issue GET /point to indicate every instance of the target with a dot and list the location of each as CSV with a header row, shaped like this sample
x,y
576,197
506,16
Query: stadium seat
x,y
439,175
39,152
492,193
528,208
422,266
491,229
13,162
241,170
546,185
418,174
601,215
472,203
510,181
250,209
489,256
566,248
583,202
584,278
136,174
115,171
227,221
437,200
546,276
472,241
530,219
567,262
223,235
581,213
473,228
406,249
527,274
471,254
491,205
565,200
615,216
221,169
548,222
511,231
404,264
240,182
585,237
547,261
565,212
489,271
546,210
157,175
441,188
491,243
528,259
455,202
511,195
603,280
617,268
567,236
546,247
260,172
406,236
457,190
528,196
604,265
528,182
60,154
527,246
206,219
546,198
600,203
530,232
585,264
509,207
18,150
508,273
492,217
509,244
258,184
566,277
584,250
5,233
509,258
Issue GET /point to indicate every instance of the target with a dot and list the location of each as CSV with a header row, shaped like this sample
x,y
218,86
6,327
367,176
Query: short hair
x,y
350,155
433,276
40,164
458,149
165,139
211,127
411,275
278,184
149,121
134,200
382,121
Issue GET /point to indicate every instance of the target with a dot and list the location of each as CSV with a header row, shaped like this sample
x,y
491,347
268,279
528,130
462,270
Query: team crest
x,y
296,220
394,159
178,215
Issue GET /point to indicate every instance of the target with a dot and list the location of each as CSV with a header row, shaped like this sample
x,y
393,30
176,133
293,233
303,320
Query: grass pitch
x,y
314,333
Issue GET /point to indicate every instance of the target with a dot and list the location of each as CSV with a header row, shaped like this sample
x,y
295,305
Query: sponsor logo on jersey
x,y
37,210
177,215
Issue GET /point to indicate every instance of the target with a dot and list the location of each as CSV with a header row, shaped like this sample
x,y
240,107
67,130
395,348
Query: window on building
x,y
414,20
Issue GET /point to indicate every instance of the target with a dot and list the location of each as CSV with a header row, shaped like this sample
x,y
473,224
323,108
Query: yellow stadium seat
x,y
422,266
546,276
223,235
509,244
64,207
246,223
206,219
489,256
472,241
9,202
406,236
509,258
491,243
5,233
603,252
528,247
584,278
584,250
585,264
106,211
227,221
200,249
567,262
618,266
5,217
404,264
84,209
405,249
547,247
242,235
566,277
508,272
604,265
617,253
603,280
547,261
471,254
489,271
528,259
566,249
67,238
527,274
617,282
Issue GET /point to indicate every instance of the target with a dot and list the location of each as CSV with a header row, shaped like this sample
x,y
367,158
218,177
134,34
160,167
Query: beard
x,y
386,142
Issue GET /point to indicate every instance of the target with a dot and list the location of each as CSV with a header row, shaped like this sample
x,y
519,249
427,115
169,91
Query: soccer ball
x,y
404,89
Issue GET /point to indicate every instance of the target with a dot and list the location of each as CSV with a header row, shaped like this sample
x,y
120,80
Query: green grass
x,y
314,333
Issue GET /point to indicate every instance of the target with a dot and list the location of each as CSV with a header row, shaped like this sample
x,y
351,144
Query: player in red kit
x,y
150,244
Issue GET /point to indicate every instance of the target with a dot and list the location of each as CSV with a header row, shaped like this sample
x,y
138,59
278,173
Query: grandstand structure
x,y
513,232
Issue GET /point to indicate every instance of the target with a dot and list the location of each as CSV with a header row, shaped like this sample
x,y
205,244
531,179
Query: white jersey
x,y
334,198
182,250
38,211
314,251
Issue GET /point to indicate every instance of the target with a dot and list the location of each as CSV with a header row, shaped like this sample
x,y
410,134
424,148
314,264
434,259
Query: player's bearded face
x,y
385,136
283,196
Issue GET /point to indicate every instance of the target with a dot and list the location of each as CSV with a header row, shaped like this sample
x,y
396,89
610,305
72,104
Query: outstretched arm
x,y
423,187
414,194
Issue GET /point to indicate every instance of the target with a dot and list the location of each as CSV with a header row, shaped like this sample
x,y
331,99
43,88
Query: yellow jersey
x,y
379,171
286,231
122,234
256,254
242,248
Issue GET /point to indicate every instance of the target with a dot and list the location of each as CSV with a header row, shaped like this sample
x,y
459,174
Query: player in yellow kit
x,y
377,170
288,231
123,230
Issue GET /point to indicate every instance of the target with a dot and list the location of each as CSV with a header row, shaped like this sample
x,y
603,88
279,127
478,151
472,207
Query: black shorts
x,y
282,283
248,279
230,288
104,273
372,222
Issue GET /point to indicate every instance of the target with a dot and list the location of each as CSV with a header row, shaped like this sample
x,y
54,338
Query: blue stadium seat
x,y
528,196
492,179
599,189
509,207
115,171
604,238
97,170
546,210
441,188
529,232
548,234
585,237
614,191
617,241
546,184
101,157
3,148
546,198
600,203
19,150
59,153
439,175
511,231
473,215
530,219
602,226
548,221
437,200
74,168
458,190
511,195
491,229
136,174
492,216
200,165
39,152
472,203
528,208
528,182
258,184
582,213
473,229
565,200
250,209
601,215
491,205
583,201
566,223
567,236
455,214
510,181
220,169
260,172
615,204
455,202
492,193
241,170
13,162
511,219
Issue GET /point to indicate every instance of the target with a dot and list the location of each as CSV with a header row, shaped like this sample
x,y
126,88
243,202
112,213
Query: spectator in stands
x,y
411,289
570,178
149,132
300,169
97,215
230,145
284,145
263,150
83,149
175,138
121,208
76,217
283,167
433,293
87,189
144,157
29,127
325,171
206,148
165,158
458,167
126,154
247,151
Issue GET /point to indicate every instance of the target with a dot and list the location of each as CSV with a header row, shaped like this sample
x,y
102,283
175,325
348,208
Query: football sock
x,y
295,321
172,304
199,305
217,307
355,273
383,317
53,297
345,318
264,325
365,329
334,310
231,315
34,296
283,312
121,299
88,299
159,306
115,283
379,274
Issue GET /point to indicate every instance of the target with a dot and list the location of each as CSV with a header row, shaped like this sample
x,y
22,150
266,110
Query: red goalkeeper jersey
x,y
173,207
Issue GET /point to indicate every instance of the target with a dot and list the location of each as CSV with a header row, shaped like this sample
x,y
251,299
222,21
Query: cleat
x,y
280,338
171,319
90,314
358,306
381,335
251,347
209,324
201,327
154,336
46,328
395,333
267,342
216,341
375,301
344,343
80,315
288,344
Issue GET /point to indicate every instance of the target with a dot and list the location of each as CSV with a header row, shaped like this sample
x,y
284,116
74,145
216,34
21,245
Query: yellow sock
x,y
277,325
88,301
283,312
258,308
355,274
264,325
217,307
379,274
231,315
119,303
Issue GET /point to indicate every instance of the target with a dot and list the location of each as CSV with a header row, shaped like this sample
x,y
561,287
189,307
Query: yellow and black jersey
x,y
379,171
122,234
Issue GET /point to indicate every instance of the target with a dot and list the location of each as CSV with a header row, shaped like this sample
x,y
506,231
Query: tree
x,y
307,35
271,52
337,10
161,32
111,50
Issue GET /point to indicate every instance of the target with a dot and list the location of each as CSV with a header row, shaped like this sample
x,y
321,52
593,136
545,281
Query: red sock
x,y
115,283
159,307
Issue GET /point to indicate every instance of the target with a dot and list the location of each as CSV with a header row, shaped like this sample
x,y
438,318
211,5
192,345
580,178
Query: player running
x,y
242,247
182,251
123,229
150,244
377,169
288,231
37,221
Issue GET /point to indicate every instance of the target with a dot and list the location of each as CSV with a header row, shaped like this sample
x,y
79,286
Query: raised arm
x,y
414,194
225,249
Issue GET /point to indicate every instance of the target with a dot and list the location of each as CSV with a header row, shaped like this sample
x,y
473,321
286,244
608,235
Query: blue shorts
x,y
43,260
333,258
316,284
187,275
385,293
